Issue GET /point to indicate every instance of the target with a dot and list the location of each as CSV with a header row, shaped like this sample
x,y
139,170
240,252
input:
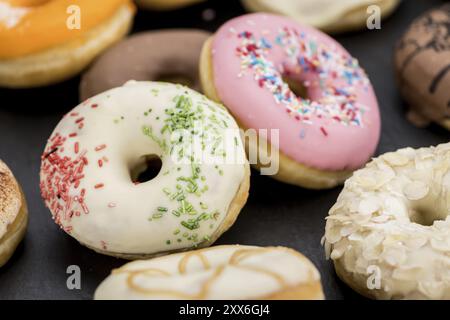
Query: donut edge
x,y
66,60
290,171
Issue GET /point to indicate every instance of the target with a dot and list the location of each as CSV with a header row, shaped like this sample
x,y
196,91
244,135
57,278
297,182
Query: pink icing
x,y
337,127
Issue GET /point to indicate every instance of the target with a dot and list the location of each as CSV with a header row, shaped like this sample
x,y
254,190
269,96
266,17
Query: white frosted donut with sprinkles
x,y
91,161
326,132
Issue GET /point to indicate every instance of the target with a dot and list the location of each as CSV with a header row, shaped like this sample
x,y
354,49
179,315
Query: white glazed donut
x,y
392,221
328,15
222,272
90,162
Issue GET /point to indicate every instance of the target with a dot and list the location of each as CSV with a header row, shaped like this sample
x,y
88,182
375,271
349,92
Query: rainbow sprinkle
x,y
304,55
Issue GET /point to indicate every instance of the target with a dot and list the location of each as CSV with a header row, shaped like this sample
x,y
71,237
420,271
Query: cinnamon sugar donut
x,y
13,214
222,272
389,232
422,60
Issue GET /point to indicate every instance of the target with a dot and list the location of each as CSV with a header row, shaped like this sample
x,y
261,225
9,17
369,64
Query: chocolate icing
x,y
423,66
149,56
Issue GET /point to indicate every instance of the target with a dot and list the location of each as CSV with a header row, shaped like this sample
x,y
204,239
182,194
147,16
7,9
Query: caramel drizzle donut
x,y
231,259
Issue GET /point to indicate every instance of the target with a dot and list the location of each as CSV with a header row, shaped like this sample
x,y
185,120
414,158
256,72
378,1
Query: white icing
x,y
395,215
230,272
317,13
11,16
119,212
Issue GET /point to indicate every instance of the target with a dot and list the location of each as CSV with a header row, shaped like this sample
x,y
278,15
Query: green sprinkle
x,y
176,213
203,206
157,215
177,231
162,209
168,242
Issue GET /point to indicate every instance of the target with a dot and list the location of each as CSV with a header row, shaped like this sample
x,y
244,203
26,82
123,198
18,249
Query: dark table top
x,y
275,214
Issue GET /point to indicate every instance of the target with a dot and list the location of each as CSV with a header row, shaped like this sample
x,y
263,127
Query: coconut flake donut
x,y
13,214
217,273
166,4
176,59
93,158
328,15
323,137
422,60
41,42
392,221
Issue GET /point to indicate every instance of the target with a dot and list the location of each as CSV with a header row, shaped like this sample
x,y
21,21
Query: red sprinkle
x,y
73,134
99,185
100,147
100,163
94,106
79,120
325,133
76,147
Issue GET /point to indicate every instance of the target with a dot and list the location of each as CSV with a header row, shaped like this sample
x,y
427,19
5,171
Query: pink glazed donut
x,y
328,128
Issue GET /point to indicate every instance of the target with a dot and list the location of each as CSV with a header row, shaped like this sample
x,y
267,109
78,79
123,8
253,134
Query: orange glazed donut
x,y
47,41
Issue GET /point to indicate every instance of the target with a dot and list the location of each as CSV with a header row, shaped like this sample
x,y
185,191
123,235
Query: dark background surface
x,y
276,214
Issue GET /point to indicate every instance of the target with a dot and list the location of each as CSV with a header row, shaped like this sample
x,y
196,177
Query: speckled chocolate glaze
x,y
422,61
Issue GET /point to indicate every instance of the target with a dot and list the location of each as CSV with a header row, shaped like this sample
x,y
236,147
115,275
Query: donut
x,y
13,214
47,41
165,4
327,129
92,165
391,224
328,15
422,61
176,58
217,273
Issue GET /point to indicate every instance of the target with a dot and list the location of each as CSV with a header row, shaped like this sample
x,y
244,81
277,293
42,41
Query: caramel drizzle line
x,y
235,260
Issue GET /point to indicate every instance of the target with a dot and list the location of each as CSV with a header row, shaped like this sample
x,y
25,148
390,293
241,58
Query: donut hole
x,y
176,78
431,208
296,86
427,216
146,168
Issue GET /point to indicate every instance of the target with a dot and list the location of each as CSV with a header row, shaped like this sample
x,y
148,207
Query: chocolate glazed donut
x,y
171,56
422,61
